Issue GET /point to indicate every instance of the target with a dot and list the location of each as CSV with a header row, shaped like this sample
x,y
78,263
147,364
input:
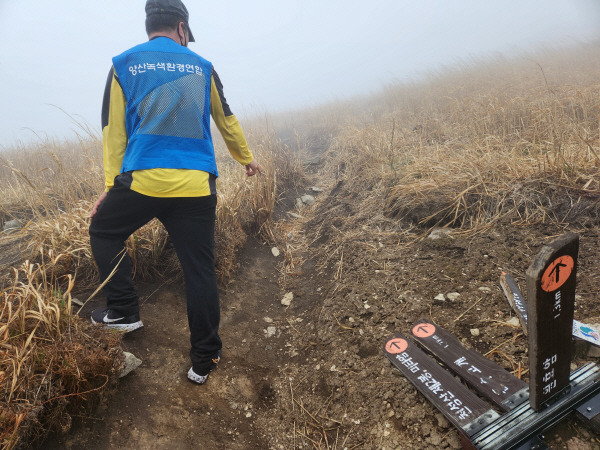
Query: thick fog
x,y
270,55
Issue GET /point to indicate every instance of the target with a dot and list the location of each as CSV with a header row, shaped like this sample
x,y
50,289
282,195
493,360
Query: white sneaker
x,y
193,376
113,320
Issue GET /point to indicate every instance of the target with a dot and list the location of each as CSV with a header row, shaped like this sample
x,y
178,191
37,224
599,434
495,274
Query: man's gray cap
x,y
172,7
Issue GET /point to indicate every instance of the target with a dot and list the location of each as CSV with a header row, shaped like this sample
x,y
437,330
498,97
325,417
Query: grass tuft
x,y
52,362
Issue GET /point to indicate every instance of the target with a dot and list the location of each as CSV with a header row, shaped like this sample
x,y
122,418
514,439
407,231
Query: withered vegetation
x,y
52,359
502,141
501,153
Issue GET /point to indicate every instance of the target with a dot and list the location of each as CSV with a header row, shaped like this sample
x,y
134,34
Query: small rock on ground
x,y
270,332
130,364
439,233
514,322
287,299
308,199
12,225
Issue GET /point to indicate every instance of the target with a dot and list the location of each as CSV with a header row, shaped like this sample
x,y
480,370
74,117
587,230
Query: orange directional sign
x,y
557,273
396,345
423,330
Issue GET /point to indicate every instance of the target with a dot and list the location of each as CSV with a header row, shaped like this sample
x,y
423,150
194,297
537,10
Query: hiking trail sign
x,y
583,331
480,373
507,420
551,280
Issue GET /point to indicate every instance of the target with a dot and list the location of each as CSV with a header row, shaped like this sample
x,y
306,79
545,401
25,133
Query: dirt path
x,y
312,375
156,407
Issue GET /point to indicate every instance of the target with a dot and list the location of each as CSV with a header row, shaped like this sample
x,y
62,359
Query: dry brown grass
x,y
503,141
52,187
48,178
51,358
506,141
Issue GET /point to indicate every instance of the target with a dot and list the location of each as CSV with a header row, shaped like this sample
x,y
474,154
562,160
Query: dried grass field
x,y
53,359
501,154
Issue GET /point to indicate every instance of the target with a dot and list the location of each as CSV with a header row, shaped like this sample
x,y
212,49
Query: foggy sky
x,y
270,55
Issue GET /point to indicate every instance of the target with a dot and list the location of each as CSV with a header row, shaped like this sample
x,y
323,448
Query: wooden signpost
x,y
553,392
551,280
460,406
485,376
582,331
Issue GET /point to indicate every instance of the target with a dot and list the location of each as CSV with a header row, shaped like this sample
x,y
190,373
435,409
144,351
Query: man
x,y
159,162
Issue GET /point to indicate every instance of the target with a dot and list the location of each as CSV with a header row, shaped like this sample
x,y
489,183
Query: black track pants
x,y
190,223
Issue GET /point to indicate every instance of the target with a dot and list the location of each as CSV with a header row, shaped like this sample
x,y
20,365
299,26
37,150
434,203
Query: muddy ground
x,y
312,374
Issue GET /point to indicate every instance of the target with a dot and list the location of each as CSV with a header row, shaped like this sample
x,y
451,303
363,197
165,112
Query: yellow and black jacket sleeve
x,y
114,134
227,123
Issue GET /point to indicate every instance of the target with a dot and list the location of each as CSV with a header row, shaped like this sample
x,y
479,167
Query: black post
x,y
551,280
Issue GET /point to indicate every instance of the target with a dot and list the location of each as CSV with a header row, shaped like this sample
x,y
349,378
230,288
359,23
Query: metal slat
x,y
578,376
523,422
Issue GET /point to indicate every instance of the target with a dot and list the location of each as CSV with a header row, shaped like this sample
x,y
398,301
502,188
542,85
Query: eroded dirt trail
x,y
156,407
312,375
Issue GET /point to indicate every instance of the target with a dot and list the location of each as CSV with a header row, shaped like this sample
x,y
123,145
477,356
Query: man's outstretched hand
x,y
253,168
97,204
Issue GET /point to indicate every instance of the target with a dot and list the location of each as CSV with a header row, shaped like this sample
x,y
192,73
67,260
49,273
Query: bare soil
x,y
155,406
312,375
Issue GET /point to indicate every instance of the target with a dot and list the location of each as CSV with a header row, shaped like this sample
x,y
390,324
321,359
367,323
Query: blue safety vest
x,y
167,89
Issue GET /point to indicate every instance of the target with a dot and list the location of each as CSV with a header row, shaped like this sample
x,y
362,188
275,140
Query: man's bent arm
x,y
227,123
114,133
